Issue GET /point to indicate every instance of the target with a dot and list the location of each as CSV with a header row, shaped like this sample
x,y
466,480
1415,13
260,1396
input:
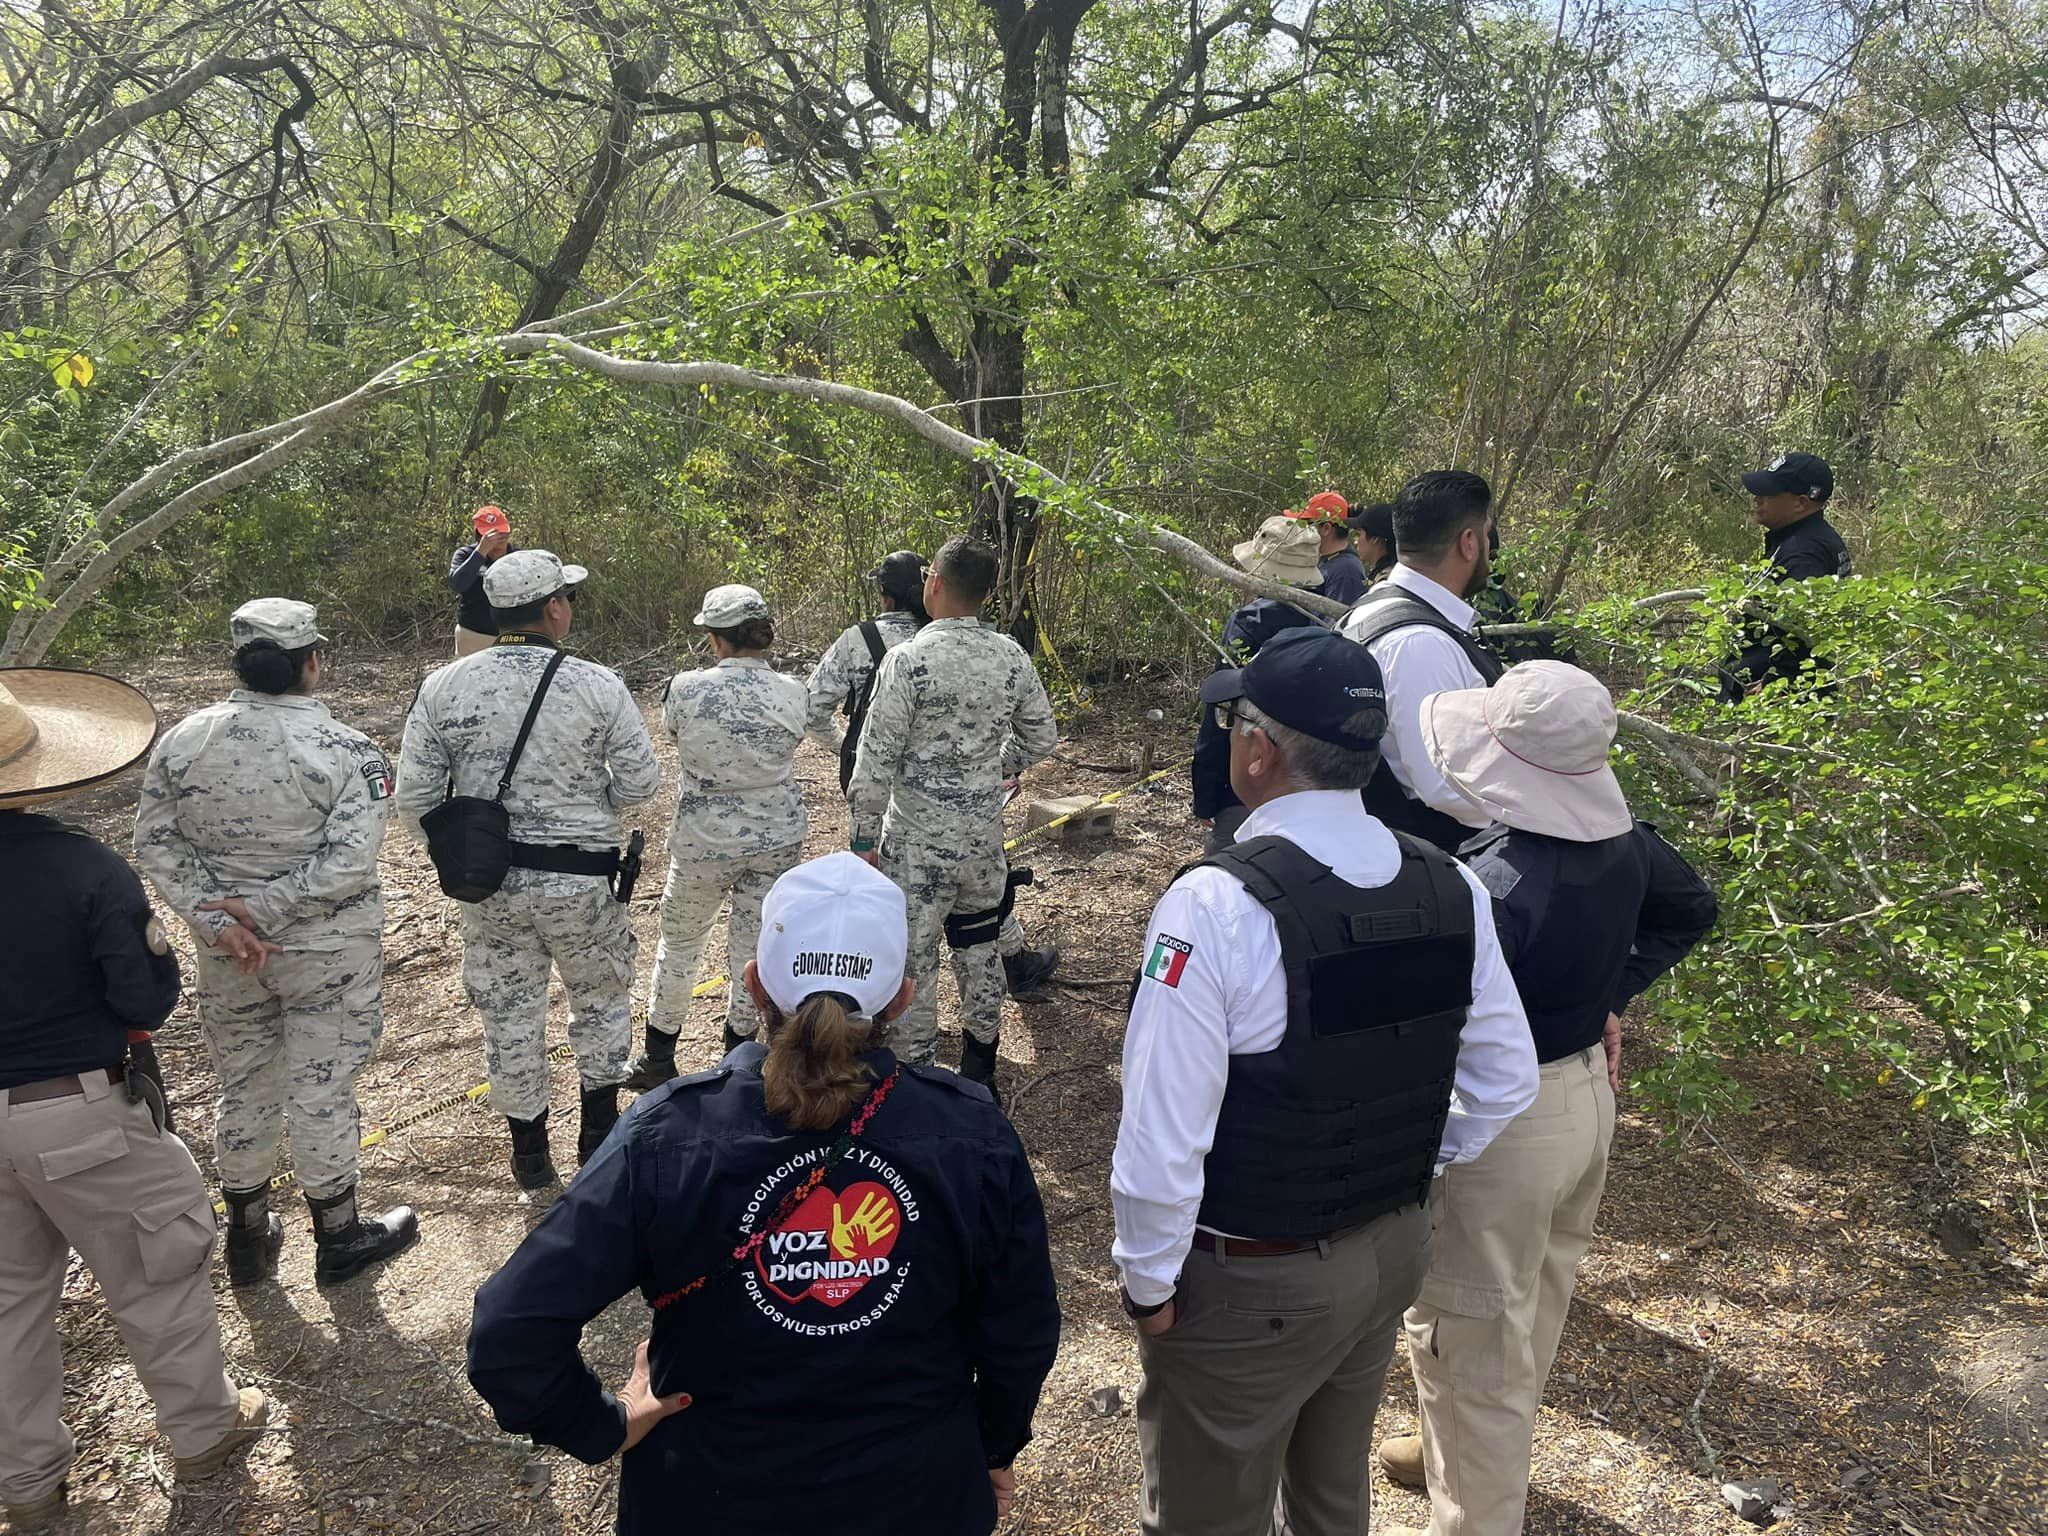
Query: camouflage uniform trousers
x,y
536,920
696,889
287,1043
938,882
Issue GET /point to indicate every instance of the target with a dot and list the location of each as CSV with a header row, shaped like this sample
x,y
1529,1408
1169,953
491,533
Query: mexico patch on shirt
x,y
1169,959
377,774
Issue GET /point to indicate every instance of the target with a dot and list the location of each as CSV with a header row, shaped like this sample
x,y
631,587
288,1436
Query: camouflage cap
x,y
528,575
293,625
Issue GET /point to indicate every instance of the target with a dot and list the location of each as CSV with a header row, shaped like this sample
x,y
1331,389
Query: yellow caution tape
x,y
1094,805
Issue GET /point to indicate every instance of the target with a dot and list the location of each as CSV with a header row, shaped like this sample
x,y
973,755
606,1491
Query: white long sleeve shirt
x,y
1414,663
1229,998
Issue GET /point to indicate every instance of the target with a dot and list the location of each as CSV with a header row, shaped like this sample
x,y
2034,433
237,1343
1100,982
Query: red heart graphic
x,y
832,1245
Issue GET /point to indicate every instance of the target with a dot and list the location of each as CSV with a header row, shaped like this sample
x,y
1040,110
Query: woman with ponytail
x,y
260,823
846,1259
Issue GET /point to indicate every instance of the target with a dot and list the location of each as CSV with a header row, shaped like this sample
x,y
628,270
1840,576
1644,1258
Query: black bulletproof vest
x,y
1386,609
1342,1122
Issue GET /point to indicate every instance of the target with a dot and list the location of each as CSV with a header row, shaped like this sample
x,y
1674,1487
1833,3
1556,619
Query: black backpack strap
x,y
871,632
526,726
1388,608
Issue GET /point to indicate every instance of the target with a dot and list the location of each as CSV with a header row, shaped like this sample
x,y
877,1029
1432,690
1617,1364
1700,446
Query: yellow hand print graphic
x,y
873,1220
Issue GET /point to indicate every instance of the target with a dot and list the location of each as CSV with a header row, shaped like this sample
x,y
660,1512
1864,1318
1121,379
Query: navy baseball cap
x,y
901,574
1800,474
1312,680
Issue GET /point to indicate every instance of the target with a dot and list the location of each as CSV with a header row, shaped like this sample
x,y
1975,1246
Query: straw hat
x,y
1284,549
1531,751
61,731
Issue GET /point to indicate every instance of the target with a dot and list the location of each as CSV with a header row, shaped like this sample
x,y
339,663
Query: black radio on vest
x,y
1341,1124
1387,608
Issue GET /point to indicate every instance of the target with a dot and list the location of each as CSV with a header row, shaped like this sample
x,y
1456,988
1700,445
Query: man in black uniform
x,y
1791,503
1591,906
87,1157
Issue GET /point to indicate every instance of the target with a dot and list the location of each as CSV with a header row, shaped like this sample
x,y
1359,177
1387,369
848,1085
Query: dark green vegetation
x,y
1199,260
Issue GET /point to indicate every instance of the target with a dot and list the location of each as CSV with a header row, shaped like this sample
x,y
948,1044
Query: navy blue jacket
x,y
83,968
1243,633
860,1375
1343,576
466,569
1800,551
1586,927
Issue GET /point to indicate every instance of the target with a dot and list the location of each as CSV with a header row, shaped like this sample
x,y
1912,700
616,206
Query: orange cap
x,y
489,520
1324,507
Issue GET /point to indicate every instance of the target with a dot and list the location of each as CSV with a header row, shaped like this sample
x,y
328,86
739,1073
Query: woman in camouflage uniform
x,y
739,820
260,823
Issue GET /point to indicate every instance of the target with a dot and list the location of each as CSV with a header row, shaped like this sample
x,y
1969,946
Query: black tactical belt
x,y
565,859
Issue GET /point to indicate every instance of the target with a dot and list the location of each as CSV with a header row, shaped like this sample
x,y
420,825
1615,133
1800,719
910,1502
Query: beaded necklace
x,y
793,1199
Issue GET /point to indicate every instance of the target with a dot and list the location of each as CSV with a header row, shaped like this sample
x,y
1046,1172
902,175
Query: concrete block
x,y
1090,821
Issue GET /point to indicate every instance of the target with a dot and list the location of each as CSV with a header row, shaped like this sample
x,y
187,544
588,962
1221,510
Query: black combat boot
x,y
655,1064
733,1039
1026,972
254,1235
531,1165
347,1244
978,1064
600,1114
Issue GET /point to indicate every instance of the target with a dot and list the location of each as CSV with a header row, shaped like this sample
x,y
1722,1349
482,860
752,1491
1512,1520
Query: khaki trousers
x,y
469,641
1268,1382
1512,1227
92,1172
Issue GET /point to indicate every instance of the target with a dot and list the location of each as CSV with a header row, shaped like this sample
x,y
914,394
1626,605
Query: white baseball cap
x,y
528,575
836,924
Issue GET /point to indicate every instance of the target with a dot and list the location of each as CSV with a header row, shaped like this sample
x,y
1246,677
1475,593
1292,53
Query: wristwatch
x,y
1134,1311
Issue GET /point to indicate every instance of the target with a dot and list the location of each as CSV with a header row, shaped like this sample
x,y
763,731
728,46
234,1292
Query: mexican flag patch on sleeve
x,y
1169,959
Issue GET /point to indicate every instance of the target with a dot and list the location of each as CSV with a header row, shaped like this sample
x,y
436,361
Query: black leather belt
x,y
1254,1248
63,1087
565,859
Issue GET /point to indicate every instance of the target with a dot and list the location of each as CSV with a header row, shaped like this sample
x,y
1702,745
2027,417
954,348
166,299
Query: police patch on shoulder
x,y
377,774
153,935
1168,959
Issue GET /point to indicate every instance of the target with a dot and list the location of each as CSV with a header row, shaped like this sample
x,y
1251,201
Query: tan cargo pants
x,y
1512,1226
92,1172
1268,1383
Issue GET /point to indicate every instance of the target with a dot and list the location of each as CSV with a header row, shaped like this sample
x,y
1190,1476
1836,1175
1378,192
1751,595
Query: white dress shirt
x,y
1414,663
1230,999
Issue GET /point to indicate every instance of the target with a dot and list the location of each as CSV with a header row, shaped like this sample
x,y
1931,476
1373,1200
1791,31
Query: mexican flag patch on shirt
x,y
1169,959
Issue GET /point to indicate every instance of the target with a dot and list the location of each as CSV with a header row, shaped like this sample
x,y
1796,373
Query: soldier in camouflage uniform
x,y
739,818
589,757
260,822
841,681
956,711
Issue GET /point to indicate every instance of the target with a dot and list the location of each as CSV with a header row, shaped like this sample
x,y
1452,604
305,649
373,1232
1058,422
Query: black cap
x,y
901,574
1375,521
1799,474
1315,681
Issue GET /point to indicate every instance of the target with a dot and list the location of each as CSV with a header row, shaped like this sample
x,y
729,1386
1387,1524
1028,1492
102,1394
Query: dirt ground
x,y
1826,1292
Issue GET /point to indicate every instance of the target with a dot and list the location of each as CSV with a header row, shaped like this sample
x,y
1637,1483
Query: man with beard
x,y
1418,626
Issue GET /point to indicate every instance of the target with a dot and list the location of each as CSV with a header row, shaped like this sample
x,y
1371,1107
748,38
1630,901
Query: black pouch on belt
x,y
964,930
469,838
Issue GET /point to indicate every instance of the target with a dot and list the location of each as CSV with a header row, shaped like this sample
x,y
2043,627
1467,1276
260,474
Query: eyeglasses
x,y
569,596
1228,718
